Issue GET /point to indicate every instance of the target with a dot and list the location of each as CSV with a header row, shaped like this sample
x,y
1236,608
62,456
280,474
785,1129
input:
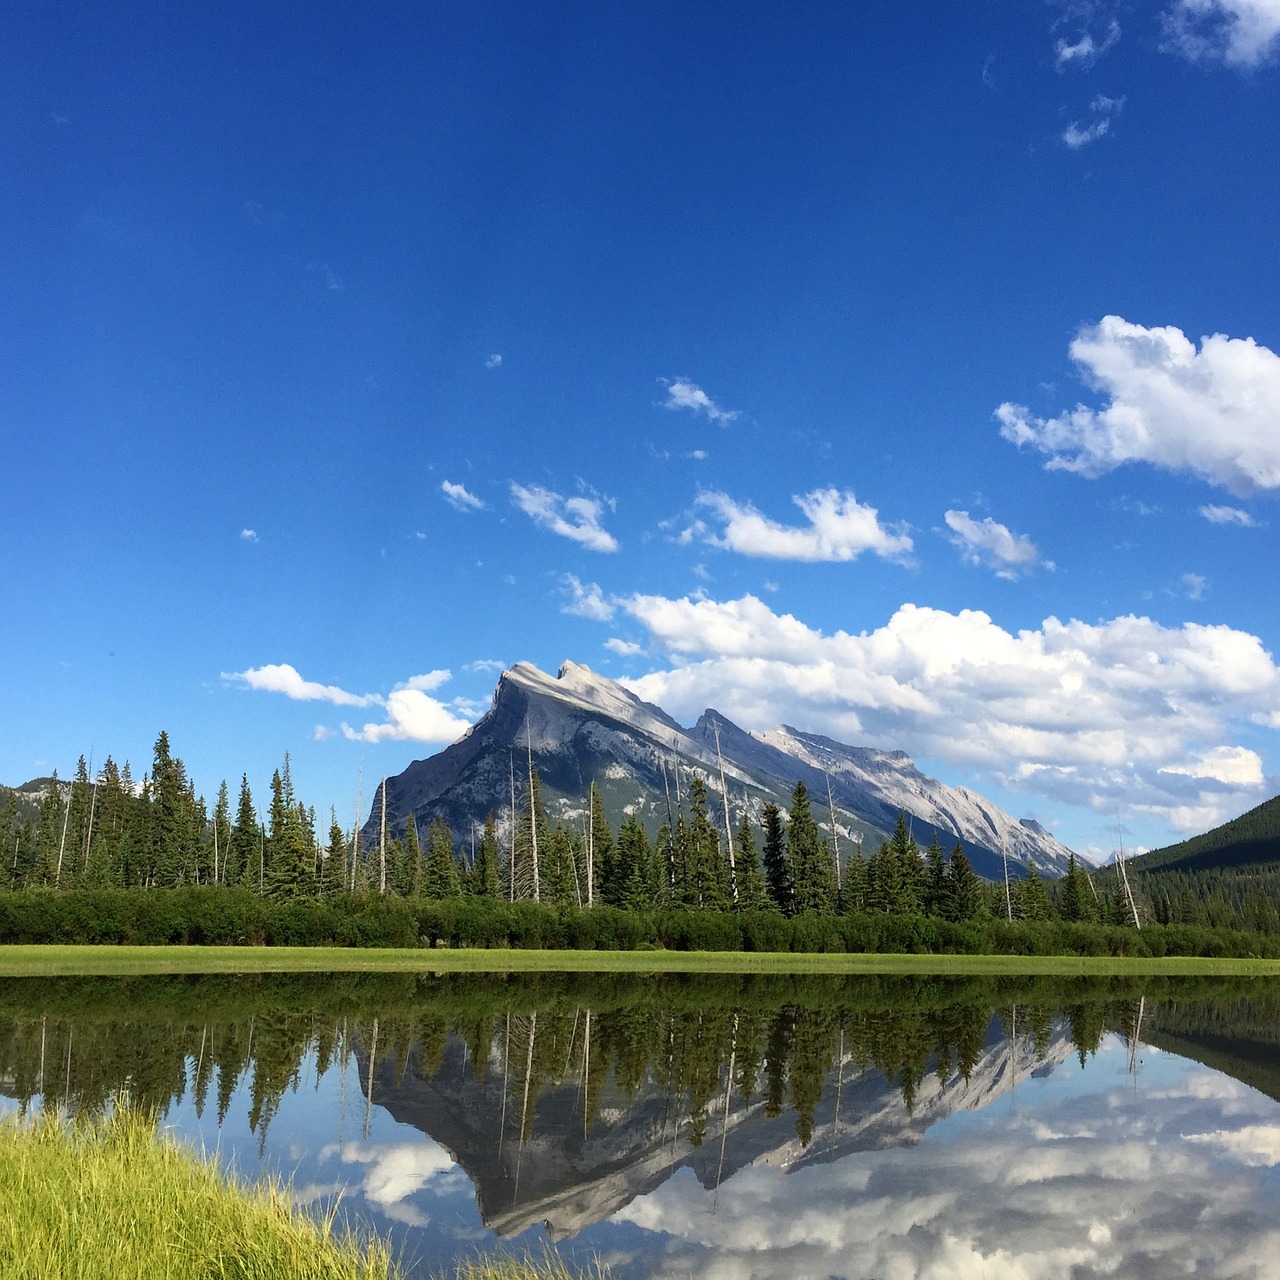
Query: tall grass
x,y
113,1200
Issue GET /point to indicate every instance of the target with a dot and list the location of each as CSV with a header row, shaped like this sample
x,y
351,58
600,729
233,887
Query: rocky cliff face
x,y
579,728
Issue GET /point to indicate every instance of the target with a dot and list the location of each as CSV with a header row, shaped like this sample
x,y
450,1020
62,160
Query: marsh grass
x,y
112,1199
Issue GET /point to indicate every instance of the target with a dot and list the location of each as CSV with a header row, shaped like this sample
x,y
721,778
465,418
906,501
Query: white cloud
x,y
990,544
282,678
1085,51
413,716
1257,1145
1099,715
1240,33
624,648
321,733
457,496
484,665
1211,412
1194,584
585,600
840,528
493,362
683,394
1228,515
1080,133
578,519
248,535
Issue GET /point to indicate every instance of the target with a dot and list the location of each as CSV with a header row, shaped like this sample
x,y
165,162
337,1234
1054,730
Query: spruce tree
x,y
752,895
911,875
1033,901
334,867
242,866
777,875
809,857
935,879
608,879
484,871
706,879
441,878
965,897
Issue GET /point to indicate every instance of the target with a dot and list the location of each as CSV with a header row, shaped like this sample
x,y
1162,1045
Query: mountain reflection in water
x,y
736,1124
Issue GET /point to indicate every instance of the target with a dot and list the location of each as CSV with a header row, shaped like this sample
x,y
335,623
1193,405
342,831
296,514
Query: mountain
x,y
580,727
1249,840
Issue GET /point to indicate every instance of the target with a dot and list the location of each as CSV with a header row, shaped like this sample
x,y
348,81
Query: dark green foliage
x,y
484,870
441,879
777,875
752,895
809,857
965,900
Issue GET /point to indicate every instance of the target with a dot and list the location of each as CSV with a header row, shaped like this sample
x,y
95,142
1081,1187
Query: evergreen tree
x,y
484,871
607,876
441,878
637,866
809,857
531,838
935,879
221,833
411,867
48,835
706,880
910,874
777,874
1071,898
1033,901
752,895
333,868
242,863
965,900
290,856
561,860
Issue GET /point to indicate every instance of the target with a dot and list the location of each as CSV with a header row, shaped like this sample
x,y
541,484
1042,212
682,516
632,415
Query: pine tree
x,y
910,876
777,874
636,859
334,867
809,856
242,865
752,895
441,878
561,860
608,882
705,871
965,900
290,857
935,879
484,871
48,835
221,833
1033,901
1071,899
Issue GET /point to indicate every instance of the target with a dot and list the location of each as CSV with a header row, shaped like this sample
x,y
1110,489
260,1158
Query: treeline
x,y
216,916
110,833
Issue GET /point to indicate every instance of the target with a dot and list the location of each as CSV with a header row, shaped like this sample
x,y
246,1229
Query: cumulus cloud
x,y
1239,33
248,535
493,362
1079,133
840,528
578,519
1123,712
282,678
1194,585
683,394
1211,412
624,648
1228,515
457,496
585,600
397,1171
992,545
412,715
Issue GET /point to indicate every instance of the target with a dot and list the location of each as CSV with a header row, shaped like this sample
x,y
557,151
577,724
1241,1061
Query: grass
x,y
109,1199
49,961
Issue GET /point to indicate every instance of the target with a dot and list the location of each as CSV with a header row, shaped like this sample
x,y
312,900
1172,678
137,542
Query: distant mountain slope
x,y
1248,840
580,727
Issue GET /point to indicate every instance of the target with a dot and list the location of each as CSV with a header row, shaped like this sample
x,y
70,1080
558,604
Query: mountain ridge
x,y
580,728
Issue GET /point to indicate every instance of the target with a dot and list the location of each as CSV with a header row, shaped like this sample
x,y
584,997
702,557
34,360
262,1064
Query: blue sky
x,y
905,375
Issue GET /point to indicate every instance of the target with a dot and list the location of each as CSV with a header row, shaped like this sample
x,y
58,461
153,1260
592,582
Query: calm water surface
x,y
713,1126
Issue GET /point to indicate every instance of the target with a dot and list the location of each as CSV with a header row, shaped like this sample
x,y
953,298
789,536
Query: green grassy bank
x,y
48,961
110,1199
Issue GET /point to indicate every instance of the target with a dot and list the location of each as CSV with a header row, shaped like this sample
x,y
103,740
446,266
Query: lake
x,y
713,1125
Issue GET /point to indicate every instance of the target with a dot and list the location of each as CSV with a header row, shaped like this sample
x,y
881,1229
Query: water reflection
x,y
722,1126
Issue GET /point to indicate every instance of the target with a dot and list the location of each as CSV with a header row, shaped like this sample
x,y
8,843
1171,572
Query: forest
x,y
270,876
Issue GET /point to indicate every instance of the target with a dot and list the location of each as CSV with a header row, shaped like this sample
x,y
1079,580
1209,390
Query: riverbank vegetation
x,y
106,1197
